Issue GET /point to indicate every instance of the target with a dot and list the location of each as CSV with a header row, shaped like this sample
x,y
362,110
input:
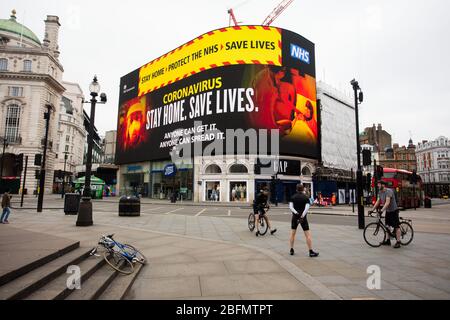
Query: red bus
x,y
400,181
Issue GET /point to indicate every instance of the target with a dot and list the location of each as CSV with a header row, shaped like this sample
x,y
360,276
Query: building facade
x,y
403,157
334,175
71,136
30,82
433,165
377,137
109,146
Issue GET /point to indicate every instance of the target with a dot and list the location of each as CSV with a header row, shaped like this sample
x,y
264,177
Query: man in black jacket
x,y
299,206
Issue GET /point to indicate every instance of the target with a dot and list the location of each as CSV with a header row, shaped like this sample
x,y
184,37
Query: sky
x,y
398,50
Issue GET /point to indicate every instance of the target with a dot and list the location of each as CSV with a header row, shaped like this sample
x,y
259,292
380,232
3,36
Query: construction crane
x,y
276,12
232,17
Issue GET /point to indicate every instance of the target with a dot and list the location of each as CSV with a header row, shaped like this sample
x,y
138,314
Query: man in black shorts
x,y
259,204
299,206
386,198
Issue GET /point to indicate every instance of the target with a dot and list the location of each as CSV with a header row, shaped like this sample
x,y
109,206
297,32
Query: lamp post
x,y
84,218
42,175
359,195
64,176
5,144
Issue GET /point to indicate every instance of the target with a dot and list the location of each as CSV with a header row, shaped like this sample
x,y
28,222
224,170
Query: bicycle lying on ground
x,y
119,256
263,223
375,233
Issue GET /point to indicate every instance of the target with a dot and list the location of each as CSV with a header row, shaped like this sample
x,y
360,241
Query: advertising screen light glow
x,y
242,77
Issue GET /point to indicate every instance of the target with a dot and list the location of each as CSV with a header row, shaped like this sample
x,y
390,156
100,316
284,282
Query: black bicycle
x,y
375,233
263,222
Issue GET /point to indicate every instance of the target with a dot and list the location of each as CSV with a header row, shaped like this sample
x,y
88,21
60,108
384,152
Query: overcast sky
x,y
398,50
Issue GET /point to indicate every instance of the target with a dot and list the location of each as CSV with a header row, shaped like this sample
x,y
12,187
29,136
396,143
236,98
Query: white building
x,y
109,146
71,133
433,165
30,80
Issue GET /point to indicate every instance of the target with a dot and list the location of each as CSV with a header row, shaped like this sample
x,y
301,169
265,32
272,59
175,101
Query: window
x,y
66,148
27,65
3,64
67,138
12,122
213,168
16,91
238,168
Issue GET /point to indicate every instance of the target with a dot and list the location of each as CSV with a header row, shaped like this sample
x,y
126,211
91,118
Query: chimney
x,y
51,34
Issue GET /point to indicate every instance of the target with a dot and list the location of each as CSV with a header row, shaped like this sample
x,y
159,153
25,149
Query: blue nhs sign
x,y
298,52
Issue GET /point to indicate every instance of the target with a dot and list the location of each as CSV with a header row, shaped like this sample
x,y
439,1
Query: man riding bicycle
x,y
259,204
386,197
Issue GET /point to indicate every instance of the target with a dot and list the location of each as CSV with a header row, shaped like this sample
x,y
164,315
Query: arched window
x,y
212,169
12,123
238,168
3,64
27,65
306,171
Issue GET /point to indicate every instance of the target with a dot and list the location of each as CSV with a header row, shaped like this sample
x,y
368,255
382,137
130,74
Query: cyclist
x,y
299,206
386,197
259,204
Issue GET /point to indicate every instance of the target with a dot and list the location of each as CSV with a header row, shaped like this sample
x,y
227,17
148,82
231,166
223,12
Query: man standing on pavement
x,y
299,206
6,204
386,197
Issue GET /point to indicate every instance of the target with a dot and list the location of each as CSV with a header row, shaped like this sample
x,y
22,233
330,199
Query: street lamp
x,y
85,212
42,175
64,176
359,187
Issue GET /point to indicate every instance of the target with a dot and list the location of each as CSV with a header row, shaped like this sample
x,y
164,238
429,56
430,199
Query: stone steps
x,y
119,288
57,289
23,286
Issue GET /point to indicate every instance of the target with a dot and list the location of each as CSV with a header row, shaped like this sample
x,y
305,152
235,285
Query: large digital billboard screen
x,y
243,77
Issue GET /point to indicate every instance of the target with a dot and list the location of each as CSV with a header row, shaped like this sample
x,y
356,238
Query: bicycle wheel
x,y
251,222
118,262
406,233
263,225
374,234
137,254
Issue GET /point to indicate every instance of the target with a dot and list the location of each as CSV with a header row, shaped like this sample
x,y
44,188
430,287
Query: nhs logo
x,y
298,52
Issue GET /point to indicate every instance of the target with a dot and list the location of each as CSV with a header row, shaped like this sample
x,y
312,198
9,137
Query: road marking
x,y
229,212
152,209
173,210
200,212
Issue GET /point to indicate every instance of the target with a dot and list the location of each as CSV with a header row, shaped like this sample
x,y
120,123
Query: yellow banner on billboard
x,y
222,47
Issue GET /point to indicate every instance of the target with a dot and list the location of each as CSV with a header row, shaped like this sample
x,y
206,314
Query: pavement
x,y
207,252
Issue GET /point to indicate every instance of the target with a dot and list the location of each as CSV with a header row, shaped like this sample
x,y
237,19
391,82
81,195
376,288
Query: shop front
x,y
135,180
167,178
280,175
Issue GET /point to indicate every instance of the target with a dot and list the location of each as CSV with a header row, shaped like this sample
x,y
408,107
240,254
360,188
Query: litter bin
x,y
173,197
427,203
129,206
71,203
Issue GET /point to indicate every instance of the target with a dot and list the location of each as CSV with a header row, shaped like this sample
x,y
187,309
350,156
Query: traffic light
x,y
18,164
37,159
379,172
369,181
367,157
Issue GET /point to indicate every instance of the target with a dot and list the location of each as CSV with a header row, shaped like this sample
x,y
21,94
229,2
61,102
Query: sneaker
x,y
397,245
273,231
292,251
257,233
386,243
6,222
313,254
